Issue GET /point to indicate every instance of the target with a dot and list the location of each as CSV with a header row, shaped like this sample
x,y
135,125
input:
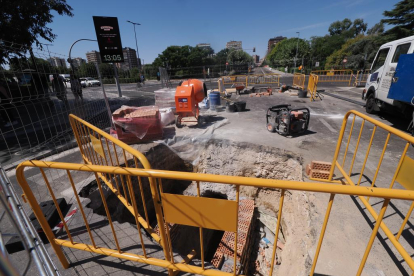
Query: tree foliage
x,y
23,22
184,56
402,18
285,51
239,57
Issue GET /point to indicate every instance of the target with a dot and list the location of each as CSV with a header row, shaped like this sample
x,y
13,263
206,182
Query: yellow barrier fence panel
x,y
344,75
202,212
361,77
299,80
312,87
350,162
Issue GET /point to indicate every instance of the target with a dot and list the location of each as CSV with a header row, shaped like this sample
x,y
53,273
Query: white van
x,y
381,77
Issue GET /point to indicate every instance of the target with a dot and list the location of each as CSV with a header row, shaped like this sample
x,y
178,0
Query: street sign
x,y
109,39
317,64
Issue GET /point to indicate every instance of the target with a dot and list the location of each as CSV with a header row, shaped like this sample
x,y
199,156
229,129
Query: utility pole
x,y
136,43
297,45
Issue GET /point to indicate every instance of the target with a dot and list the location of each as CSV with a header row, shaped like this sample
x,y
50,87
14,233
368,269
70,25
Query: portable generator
x,y
187,96
286,121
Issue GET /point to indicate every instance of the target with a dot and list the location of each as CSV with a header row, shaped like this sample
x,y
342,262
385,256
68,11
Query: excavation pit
x,y
222,157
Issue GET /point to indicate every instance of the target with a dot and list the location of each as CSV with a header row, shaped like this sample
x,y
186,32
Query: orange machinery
x,y
187,96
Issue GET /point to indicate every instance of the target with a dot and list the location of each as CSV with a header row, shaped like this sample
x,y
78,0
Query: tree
x,y
338,27
221,56
376,29
347,28
285,51
23,22
239,57
402,17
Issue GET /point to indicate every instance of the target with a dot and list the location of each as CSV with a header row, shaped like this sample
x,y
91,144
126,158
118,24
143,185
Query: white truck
x,y
390,85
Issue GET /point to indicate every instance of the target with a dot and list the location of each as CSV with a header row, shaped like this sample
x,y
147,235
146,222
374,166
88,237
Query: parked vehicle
x,y
83,82
388,87
92,82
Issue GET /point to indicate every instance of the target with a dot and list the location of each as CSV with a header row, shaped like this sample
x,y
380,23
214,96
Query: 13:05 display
x,y
112,57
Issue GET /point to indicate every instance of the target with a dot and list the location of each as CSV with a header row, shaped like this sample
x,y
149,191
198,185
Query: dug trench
x,y
223,157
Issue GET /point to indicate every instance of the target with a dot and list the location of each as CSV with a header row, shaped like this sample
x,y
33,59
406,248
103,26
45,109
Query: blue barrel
x,y
214,99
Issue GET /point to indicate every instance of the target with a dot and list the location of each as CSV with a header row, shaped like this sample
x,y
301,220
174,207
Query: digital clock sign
x,y
109,39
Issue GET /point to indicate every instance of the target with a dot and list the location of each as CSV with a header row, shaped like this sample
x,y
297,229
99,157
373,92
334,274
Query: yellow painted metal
x,y
279,218
201,231
361,77
405,221
366,155
373,235
349,139
236,215
356,147
406,256
225,179
202,212
405,173
141,259
322,234
313,86
299,80
252,79
399,165
344,75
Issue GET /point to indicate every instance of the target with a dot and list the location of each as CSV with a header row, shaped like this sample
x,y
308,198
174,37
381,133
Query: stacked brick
x,y
318,169
224,255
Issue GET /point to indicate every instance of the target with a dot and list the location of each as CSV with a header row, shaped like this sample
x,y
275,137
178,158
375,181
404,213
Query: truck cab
x,y
382,72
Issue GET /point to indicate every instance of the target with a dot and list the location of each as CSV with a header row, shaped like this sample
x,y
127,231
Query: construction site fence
x,y
345,75
313,86
361,77
363,146
299,80
12,216
201,212
37,97
254,79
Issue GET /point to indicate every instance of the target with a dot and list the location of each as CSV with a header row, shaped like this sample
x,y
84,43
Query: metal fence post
x,y
106,99
117,81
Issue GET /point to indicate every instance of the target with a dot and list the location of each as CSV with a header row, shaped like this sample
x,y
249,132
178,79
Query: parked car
x,y
92,82
83,82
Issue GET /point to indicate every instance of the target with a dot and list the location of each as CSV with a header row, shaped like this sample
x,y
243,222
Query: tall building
x,y
274,41
130,59
93,57
256,58
77,62
57,62
237,45
203,45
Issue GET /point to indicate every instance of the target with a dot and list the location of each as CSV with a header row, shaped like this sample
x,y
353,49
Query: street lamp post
x,y
297,45
136,43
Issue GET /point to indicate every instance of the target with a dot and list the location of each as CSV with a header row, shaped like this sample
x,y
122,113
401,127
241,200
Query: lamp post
x,y
136,43
297,45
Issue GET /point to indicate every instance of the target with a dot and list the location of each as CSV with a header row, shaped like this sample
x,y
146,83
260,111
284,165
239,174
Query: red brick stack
x,y
318,169
226,246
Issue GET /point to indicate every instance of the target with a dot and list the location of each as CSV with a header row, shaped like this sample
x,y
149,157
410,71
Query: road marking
x,y
310,109
262,70
328,125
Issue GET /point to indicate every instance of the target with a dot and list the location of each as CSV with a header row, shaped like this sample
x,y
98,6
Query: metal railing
x,y
37,255
344,75
195,211
374,131
312,87
252,79
361,77
299,80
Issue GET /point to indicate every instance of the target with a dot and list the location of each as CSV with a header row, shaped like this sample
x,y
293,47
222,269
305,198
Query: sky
x,y
189,22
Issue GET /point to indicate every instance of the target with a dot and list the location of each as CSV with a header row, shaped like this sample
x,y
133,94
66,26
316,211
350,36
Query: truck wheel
x,y
370,105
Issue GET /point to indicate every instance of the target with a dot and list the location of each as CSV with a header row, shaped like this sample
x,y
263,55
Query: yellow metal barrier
x,y
334,75
361,77
299,80
252,79
99,148
195,211
353,176
313,86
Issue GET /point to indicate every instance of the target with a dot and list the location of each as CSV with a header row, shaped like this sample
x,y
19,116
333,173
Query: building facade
x,y
236,45
77,62
203,45
93,57
130,59
256,58
57,62
274,41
